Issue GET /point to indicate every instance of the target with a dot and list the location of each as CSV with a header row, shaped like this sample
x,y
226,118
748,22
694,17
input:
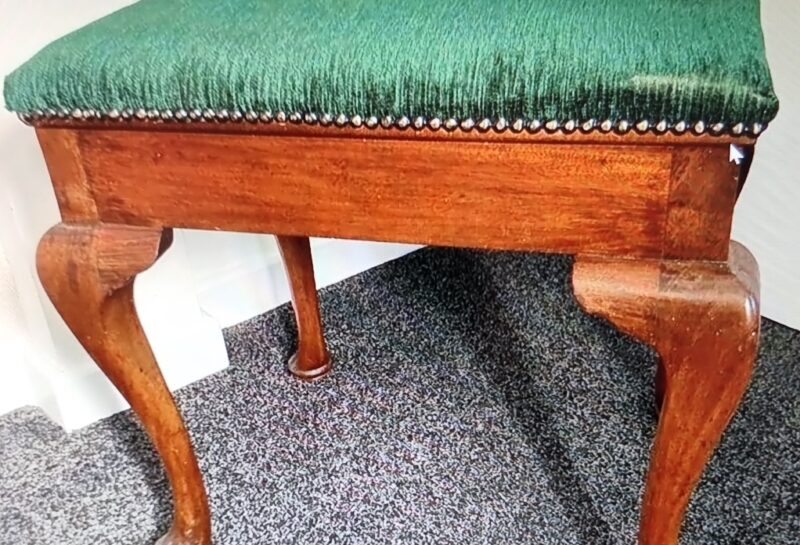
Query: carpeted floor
x,y
472,403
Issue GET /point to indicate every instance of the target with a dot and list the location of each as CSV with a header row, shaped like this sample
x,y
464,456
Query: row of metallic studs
x,y
403,122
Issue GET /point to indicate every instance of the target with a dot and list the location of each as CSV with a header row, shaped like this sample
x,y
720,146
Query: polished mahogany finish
x,y
648,217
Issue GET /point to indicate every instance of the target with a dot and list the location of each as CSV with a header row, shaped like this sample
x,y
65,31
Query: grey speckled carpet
x,y
472,403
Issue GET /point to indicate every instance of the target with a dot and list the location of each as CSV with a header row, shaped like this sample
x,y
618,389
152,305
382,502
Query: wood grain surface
x,y
575,199
648,217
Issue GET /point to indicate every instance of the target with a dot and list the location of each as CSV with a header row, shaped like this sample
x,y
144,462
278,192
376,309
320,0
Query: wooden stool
x,y
604,132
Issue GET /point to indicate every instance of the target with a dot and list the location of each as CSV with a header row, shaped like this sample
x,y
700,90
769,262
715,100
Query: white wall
x,y
16,386
767,217
212,280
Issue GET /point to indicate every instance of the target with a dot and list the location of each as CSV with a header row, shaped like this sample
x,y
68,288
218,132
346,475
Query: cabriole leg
x,y
703,319
88,272
311,361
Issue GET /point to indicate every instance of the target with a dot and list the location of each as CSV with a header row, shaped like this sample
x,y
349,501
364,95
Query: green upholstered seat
x,y
516,64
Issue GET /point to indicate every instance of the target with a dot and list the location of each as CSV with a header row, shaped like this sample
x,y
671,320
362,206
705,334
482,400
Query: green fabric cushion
x,y
672,60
